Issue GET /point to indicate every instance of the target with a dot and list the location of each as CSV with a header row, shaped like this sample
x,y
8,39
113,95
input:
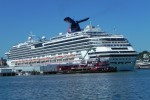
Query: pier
x,y
5,71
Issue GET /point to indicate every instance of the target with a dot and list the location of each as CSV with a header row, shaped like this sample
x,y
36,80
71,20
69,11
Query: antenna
x,y
90,23
114,29
31,34
30,38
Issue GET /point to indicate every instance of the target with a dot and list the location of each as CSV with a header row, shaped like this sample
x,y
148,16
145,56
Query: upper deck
x,y
89,31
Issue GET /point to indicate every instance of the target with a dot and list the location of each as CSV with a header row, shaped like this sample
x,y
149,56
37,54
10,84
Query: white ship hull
x,y
122,64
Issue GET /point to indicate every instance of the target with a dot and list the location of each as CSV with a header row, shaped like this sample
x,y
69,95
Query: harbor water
x,y
129,85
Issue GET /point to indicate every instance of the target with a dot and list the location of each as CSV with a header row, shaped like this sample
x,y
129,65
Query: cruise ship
x,y
73,47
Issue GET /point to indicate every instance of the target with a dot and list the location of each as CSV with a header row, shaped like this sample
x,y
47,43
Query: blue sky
x,y
45,18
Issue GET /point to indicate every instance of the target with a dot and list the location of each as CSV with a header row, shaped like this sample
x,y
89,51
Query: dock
x,y
6,71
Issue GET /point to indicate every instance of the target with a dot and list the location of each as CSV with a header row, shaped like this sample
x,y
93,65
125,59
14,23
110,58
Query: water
x,y
133,85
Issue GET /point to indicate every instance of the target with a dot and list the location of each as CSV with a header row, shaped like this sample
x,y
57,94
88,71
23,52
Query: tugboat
x,y
102,66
